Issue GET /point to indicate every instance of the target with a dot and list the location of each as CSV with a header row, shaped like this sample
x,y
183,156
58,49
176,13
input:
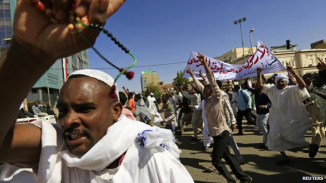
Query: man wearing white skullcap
x,y
282,77
91,141
288,119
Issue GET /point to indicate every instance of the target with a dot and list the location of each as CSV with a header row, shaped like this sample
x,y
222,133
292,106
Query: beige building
x,y
235,55
319,44
148,77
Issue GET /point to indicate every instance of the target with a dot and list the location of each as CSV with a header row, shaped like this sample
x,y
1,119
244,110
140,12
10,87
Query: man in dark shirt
x,y
262,108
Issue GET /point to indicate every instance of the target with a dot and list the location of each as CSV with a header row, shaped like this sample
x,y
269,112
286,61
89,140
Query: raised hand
x,y
290,69
321,66
201,58
34,31
259,70
189,71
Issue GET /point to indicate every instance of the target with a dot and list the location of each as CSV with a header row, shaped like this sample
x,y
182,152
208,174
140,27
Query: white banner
x,y
262,58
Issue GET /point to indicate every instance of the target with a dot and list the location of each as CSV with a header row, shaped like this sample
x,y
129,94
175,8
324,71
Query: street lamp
x,y
236,22
251,31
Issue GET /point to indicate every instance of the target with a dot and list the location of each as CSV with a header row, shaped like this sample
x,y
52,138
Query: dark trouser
x,y
22,114
179,120
221,150
247,114
170,127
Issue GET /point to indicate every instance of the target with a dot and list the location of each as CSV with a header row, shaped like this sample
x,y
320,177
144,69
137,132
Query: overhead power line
x,y
139,66
154,65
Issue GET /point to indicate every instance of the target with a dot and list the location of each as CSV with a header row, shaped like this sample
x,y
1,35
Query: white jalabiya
x,y
288,119
151,156
207,139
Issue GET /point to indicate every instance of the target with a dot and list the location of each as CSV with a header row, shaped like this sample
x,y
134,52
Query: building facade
x,y
319,44
235,55
47,88
7,9
148,77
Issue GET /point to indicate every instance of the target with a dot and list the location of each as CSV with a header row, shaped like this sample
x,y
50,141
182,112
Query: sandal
x,y
210,168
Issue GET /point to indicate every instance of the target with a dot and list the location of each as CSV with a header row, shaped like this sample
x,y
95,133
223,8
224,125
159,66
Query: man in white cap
x,y
151,106
288,119
91,142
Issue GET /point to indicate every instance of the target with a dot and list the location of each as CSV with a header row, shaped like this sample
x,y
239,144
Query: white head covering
x,y
281,77
99,75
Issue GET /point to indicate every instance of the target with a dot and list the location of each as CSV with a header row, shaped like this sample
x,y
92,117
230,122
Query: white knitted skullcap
x,y
281,77
99,75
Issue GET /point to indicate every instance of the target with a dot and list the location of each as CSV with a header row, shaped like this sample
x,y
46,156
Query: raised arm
x,y
259,84
299,80
246,84
198,84
209,74
321,66
125,90
264,80
292,79
202,76
36,45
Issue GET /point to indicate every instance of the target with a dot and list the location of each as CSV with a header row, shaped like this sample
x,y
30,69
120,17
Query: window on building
x,y
81,64
6,6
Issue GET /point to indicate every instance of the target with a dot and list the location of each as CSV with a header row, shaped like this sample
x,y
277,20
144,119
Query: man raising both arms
x,y
288,119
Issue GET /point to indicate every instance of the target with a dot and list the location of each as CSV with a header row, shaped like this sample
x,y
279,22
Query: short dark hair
x,y
130,95
137,96
308,75
166,96
271,80
219,83
208,86
123,98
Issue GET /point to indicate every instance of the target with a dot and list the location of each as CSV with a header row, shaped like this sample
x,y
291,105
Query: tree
x,y
180,80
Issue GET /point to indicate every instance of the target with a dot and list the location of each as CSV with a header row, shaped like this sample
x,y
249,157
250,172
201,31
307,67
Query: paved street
x,y
260,164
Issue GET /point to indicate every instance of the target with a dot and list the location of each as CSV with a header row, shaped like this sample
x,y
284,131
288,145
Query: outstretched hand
x,y
34,31
189,71
321,66
201,58
201,73
290,69
259,70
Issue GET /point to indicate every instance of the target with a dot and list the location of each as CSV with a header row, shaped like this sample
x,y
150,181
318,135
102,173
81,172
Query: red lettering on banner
x,y
256,60
199,64
263,51
191,61
208,61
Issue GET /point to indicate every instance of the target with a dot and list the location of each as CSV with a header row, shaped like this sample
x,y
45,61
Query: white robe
x,y
288,119
151,156
208,140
